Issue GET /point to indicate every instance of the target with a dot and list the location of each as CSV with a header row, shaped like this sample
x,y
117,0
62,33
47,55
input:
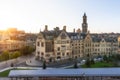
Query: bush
x,y
5,55
26,50
44,65
88,63
92,61
75,65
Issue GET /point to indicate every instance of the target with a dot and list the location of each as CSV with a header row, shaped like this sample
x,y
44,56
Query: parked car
x,y
98,59
83,61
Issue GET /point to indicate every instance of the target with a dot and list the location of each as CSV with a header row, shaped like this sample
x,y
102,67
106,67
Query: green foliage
x,y
44,65
105,58
26,50
117,57
5,55
88,63
4,73
15,54
100,65
9,55
0,57
92,61
75,65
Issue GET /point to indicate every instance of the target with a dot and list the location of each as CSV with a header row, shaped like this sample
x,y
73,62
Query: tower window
x,y
38,44
42,44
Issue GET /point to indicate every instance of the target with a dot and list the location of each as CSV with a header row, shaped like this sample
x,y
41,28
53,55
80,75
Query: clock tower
x,y
84,24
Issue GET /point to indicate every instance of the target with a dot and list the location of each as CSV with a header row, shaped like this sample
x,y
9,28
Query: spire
x,y
84,14
84,24
84,18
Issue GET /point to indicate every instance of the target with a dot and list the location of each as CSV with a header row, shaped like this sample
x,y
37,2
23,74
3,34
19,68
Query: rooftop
x,y
66,72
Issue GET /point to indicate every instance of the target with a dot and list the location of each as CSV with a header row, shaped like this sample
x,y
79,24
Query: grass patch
x,y
100,65
5,73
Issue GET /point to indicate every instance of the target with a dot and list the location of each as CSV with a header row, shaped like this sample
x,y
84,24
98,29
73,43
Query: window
x,y
47,55
58,53
63,47
63,54
38,44
38,52
42,44
58,48
49,47
67,54
67,41
72,44
42,53
63,36
63,42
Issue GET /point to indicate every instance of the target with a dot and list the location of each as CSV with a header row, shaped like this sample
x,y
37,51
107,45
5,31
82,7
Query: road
x,y
20,61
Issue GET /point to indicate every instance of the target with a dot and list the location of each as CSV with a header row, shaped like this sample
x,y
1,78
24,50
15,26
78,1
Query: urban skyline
x,y
31,16
59,40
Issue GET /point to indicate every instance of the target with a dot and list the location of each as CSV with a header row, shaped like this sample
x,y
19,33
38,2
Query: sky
x,y
32,15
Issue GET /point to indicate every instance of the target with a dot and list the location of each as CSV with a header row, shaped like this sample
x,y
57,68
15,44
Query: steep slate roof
x,y
52,34
99,37
76,36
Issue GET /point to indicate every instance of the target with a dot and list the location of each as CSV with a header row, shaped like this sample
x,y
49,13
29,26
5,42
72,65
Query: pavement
x,y
2,78
17,62
58,64
31,62
34,63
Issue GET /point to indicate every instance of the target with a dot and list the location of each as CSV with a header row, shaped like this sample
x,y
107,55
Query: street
x,y
20,61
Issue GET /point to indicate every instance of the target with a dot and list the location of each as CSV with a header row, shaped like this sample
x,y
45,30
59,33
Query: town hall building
x,y
54,45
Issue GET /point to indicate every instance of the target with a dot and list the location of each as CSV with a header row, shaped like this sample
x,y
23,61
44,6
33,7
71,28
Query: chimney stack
x,y
78,30
64,28
46,28
74,30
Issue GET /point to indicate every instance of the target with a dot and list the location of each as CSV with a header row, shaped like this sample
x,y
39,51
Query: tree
x,y
5,55
44,65
1,58
16,54
92,61
75,65
105,58
26,50
87,63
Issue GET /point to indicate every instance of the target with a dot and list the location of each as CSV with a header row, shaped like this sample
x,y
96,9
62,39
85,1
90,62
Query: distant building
x,y
30,39
11,45
54,45
13,39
